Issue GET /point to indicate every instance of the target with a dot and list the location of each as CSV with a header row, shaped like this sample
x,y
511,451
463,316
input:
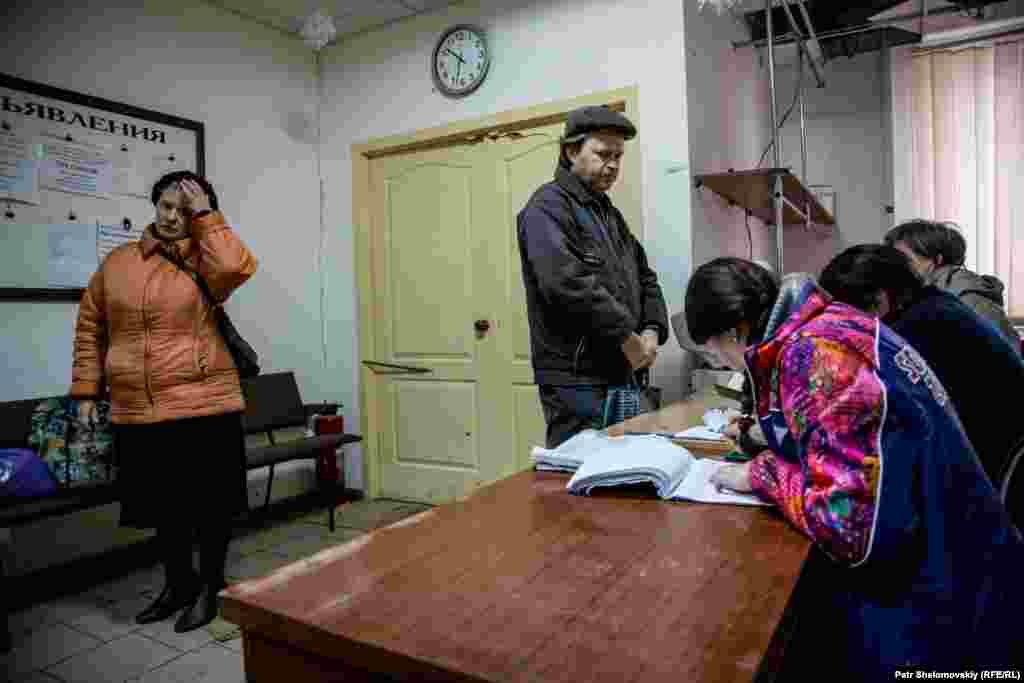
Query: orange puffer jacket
x,y
147,334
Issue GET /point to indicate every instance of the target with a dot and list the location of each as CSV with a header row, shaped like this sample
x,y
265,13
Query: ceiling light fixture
x,y
318,30
719,5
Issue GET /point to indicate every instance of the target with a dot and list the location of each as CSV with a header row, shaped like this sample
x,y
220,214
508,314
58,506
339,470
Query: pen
x,y
667,435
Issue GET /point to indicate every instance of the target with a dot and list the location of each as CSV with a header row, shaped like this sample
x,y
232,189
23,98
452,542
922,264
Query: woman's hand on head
x,y
196,198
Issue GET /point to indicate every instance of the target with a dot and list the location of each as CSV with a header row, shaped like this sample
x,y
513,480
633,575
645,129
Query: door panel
x,y
523,165
430,251
427,244
447,411
530,427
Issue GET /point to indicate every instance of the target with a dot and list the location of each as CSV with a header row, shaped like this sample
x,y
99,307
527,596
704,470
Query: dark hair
x,y
565,147
859,274
175,178
725,292
931,240
957,246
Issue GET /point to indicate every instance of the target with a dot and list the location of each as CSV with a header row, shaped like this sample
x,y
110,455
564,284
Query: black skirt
x,y
181,472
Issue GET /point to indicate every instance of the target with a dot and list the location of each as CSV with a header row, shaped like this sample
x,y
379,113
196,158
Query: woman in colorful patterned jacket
x,y
147,335
866,457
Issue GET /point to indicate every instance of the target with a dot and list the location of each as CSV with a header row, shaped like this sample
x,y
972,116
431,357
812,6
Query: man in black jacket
x,y
596,311
981,371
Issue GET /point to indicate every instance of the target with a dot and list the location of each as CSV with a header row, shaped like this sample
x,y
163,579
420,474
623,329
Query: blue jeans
x,y
569,410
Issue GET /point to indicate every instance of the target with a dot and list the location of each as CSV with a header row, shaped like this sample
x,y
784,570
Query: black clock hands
x,y
456,55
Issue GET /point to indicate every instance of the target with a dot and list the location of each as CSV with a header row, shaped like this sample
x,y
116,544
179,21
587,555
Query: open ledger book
x,y
600,460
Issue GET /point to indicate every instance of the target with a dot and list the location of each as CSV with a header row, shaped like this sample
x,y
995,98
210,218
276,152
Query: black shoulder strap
x,y
200,282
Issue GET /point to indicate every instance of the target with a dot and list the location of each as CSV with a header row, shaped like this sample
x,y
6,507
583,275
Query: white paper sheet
x,y
72,254
700,432
697,487
75,168
633,459
19,168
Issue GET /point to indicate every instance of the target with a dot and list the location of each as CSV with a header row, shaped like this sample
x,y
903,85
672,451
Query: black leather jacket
x,y
588,285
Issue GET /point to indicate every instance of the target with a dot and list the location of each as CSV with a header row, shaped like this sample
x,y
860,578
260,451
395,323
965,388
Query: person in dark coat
x,y
596,311
917,562
937,252
977,366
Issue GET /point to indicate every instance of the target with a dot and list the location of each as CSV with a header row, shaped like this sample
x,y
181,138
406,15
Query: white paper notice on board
x,y
170,163
79,169
133,172
110,237
19,169
127,179
72,254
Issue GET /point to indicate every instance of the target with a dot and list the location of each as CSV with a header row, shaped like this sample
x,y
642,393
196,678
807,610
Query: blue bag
x,y
23,474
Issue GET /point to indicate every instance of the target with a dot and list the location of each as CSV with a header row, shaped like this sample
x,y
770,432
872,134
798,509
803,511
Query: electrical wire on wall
x,y
323,223
796,98
318,30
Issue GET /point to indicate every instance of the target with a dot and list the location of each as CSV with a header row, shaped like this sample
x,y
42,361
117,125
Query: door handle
x,y
395,369
482,325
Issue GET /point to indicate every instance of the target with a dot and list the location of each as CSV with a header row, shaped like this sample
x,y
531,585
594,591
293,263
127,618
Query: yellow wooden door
x,y
431,284
519,164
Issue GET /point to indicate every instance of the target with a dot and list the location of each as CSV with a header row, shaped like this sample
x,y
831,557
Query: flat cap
x,y
588,119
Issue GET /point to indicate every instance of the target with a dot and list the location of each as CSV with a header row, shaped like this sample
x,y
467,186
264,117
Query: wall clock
x,y
460,60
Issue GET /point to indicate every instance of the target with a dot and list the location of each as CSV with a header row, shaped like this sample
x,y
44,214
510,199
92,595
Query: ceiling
x,y
845,28
350,16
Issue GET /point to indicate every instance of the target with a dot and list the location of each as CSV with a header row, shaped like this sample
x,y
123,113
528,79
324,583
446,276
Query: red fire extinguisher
x,y
327,463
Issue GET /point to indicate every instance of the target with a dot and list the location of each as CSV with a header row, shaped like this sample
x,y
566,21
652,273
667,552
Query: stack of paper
x,y
673,471
569,455
633,460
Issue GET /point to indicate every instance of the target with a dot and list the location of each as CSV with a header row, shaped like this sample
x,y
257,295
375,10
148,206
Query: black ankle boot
x,y
213,551
172,598
201,612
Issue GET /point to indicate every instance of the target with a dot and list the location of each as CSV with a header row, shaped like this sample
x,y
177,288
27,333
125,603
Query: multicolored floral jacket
x,y
868,458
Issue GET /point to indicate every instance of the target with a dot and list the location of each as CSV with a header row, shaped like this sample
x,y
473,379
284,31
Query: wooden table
x,y
525,582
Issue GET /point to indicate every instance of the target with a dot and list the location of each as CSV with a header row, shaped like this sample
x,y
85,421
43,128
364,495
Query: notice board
x,y
76,173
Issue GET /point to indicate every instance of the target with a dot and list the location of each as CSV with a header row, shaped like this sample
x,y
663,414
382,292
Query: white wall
x,y
727,91
848,147
254,89
378,84
730,125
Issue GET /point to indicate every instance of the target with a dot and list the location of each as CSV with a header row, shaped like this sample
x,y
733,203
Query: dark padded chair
x,y
1011,485
273,402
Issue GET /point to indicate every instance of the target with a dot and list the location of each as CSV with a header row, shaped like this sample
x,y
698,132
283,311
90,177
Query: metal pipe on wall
x,y
803,155
801,42
776,141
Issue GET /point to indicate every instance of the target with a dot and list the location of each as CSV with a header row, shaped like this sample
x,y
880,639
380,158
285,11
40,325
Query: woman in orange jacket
x,y
147,335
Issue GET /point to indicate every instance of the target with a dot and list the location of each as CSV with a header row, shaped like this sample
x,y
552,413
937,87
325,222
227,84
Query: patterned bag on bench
x,y
76,453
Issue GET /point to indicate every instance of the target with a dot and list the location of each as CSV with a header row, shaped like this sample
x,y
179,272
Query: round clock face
x,y
460,61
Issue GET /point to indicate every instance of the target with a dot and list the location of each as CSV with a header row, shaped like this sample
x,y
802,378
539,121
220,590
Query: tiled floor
x,y
93,638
